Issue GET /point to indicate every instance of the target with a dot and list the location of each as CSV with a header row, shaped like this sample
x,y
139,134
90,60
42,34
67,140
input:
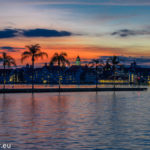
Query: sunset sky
x,y
88,28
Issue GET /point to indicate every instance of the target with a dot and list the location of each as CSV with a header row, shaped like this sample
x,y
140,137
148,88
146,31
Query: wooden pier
x,y
50,90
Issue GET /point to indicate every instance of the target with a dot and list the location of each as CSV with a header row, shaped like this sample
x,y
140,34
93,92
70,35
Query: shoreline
x,y
53,90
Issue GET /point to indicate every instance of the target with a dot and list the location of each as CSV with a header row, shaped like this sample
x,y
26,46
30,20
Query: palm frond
x,y
41,54
24,57
33,48
64,60
54,58
26,53
10,61
34,52
60,58
7,60
63,54
56,55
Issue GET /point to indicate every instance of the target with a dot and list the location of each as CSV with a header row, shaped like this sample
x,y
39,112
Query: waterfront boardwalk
x,y
43,90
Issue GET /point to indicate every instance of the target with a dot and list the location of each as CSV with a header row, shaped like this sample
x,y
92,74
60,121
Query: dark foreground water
x,y
76,121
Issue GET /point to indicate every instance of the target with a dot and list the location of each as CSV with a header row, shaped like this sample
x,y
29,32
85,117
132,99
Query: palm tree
x,y
106,69
61,60
7,61
96,63
107,66
34,51
114,61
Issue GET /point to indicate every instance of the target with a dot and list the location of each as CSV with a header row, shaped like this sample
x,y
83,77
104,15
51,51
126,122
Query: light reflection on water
x,y
71,121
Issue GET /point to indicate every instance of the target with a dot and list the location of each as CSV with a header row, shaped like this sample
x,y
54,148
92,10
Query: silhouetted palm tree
x,y
34,51
7,61
114,61
107,69
61,60
107,66
96,63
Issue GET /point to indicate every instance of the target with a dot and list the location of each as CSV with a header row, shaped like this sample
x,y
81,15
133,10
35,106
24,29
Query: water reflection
x,y
75,120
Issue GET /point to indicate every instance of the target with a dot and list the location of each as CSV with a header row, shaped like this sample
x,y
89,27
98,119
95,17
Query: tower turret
x,y
78,61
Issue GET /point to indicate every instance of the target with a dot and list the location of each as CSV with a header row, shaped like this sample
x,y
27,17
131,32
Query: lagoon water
x,y
76,121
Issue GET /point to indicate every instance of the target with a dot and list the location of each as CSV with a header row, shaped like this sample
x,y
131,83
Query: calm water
x,y
74,121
